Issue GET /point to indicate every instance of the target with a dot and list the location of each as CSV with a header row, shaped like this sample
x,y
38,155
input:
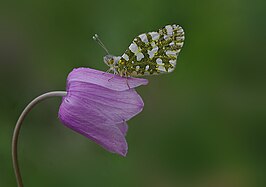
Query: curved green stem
x,y
18,126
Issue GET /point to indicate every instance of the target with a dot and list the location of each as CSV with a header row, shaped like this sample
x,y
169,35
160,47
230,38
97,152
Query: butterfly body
x,y
150,53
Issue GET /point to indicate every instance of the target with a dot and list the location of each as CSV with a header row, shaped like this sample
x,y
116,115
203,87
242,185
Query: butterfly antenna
x,y
97,39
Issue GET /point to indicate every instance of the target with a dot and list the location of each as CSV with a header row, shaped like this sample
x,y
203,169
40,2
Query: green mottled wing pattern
x,y
153,52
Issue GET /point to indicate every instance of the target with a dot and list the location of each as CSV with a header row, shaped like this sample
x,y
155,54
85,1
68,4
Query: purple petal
x,y
107,80
100,114
109,136
113,106
123,127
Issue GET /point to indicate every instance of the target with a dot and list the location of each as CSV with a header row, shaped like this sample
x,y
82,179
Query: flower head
x,y
98,104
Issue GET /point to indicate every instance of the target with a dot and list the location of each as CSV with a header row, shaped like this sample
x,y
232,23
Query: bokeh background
x,y
203,125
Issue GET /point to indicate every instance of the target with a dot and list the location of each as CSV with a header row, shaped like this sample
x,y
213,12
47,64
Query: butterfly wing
x,y
153,52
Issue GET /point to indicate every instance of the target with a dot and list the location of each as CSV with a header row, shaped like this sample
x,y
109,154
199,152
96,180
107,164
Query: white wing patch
x,y
133,47
144,38
169,30
139,56
125,56
154,35
159,61
152,52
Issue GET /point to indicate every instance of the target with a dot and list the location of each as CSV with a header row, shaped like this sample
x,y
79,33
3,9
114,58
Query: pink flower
x,y
98,104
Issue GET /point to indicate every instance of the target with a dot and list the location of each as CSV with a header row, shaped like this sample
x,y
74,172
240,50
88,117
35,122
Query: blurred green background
x,y
203,125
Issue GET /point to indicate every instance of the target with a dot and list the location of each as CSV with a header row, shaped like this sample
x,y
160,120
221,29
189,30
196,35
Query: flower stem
x,y
18,126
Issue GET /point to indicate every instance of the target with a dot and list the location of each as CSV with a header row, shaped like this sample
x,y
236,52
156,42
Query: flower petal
x,y
100,113
107,80
97,101
123,127
109,136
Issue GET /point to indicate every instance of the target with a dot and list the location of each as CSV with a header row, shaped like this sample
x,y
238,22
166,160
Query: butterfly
x,y
150,53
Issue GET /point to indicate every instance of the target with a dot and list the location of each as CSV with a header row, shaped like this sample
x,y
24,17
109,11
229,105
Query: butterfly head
x,y
108,60
111,60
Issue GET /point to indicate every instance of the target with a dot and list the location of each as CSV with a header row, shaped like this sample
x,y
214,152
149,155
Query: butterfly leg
x,y
111,78
127,83
126,75
115,73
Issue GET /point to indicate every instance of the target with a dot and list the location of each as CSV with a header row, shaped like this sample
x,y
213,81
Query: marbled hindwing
x,y
152,52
